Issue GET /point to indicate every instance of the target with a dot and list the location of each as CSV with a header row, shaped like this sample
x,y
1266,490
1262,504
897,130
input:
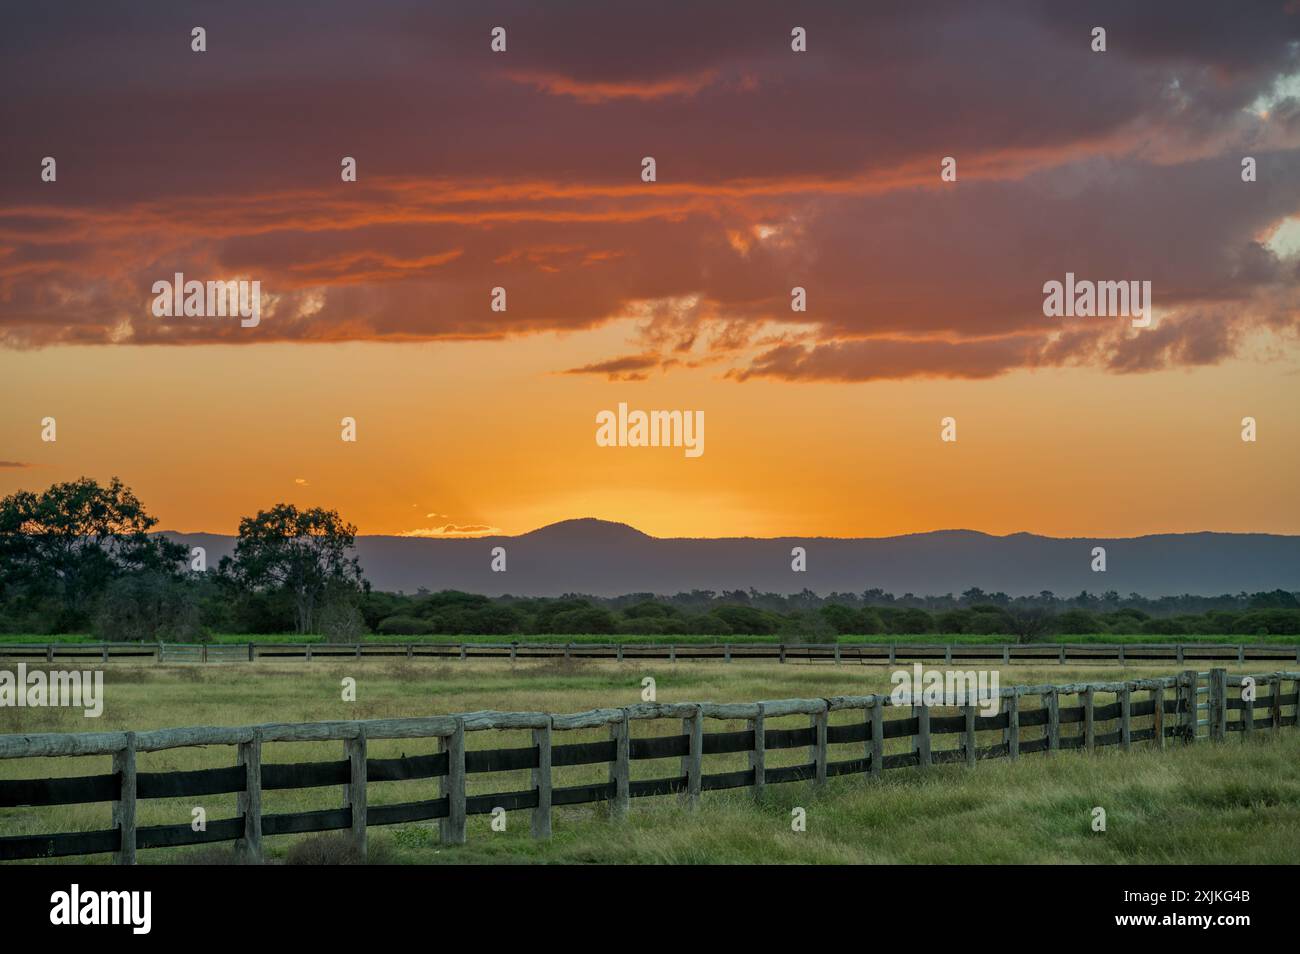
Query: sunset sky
x,y
775,169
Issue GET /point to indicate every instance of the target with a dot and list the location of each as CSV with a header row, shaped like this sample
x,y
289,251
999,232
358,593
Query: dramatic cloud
x,y
521,170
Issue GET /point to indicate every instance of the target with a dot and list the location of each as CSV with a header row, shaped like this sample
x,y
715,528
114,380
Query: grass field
x,y
1232,803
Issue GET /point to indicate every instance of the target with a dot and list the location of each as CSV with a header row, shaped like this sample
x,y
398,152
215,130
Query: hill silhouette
x,y
604,558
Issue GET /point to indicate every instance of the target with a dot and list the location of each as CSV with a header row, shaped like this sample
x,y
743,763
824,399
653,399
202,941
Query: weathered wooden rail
x,y
1173,705
863,653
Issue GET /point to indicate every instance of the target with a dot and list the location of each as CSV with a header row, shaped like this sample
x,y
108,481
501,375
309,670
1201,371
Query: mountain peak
x,y
586,530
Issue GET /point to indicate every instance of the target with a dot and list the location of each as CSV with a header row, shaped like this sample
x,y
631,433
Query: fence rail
x,y
1172,703
864,653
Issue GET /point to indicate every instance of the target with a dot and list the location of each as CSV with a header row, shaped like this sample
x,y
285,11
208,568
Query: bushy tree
x,y
70,541
304,553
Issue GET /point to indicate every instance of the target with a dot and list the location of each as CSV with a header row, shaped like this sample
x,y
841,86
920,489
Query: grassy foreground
x,y
1231,804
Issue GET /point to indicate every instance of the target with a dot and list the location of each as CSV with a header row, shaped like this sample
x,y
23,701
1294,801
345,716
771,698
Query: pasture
x,y
1238,802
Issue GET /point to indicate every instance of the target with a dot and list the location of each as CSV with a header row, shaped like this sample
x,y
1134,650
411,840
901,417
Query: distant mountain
x,y
601,558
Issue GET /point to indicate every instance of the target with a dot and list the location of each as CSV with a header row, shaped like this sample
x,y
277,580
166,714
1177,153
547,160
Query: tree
x,y
73,539
149,606
1027,623
302,552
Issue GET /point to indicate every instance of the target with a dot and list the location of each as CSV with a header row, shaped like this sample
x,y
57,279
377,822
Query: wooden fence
x,y
1174,705
864,653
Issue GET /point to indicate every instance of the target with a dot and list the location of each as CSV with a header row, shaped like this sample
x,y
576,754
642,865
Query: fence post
x,y
923,736
726,652
947,654
672,652
1275,710
1218,711
1089,720
618,652
876,745
970,735
1179,652
358,652
1121,654
309,652
105,651
1006,654
1062,655
893,647
49,652
1158,716
620,770
693,761
782,654
542,782
1248,715
837,654
1053,700
758,754
249,848
252,656
819,724
1126,718
1013,724
464,652
453,785
124,807
356,752
1191,680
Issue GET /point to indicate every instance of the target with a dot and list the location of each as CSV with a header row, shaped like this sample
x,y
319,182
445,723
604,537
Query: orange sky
x,y
485,434
818,169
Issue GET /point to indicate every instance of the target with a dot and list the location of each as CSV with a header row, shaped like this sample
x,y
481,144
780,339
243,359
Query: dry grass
x,y
1228,804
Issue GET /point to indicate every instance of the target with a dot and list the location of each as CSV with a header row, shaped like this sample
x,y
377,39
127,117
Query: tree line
x,y
81,557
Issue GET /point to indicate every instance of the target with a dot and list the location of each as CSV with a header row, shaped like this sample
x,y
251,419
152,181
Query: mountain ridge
x,y
609,558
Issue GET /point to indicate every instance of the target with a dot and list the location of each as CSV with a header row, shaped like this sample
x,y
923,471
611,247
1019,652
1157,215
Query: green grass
x,y
1232,803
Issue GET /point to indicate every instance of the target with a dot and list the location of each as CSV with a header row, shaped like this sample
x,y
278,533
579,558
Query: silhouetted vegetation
x,y
82,558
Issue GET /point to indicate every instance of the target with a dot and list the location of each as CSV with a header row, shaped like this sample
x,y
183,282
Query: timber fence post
x,y
1218,711
453,785
1158,715
819,724
692,762
1089,719
620,770
1013,723
249,848
758,754
969,712
124,807
1053,701
357,802
876,743
542,781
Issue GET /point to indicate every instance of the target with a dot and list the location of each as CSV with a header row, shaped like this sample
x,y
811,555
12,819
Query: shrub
x,y
333,849
745,620
589,620
148,606
1077,622
404,626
